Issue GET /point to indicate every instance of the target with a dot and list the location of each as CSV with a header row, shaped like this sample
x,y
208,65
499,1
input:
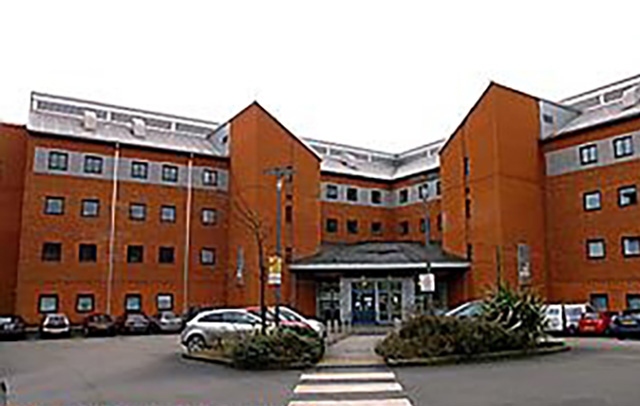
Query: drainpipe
x,y
187,238
112,225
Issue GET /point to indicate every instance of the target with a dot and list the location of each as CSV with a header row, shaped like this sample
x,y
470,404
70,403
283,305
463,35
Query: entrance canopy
x,y
379,256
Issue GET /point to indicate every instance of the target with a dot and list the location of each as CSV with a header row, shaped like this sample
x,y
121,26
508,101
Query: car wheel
x,y
195,344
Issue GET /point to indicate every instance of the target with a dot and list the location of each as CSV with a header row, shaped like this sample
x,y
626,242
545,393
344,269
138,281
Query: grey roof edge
x,y
600,89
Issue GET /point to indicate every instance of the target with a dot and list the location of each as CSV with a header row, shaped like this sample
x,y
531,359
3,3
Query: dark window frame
x,y
377,231
48,296
375,196
403,227
403,196
584,200
130,253
288,214
330,229
93,164
170,173
202,218
139,170
329,192
596,240
164,294
82,207
588,160
352,230
633,201
623,139
174,210
599,295
466,166
91,259
622,246
43,255
163,259
213,252
58,161
144,211
209,177
133,296
47,199
629,297
85,296
352,194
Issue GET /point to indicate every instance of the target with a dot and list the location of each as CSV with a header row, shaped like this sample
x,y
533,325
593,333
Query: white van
x,y
572,313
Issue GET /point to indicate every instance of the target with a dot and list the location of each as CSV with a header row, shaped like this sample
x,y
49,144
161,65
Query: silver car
x,y
166,322
209,328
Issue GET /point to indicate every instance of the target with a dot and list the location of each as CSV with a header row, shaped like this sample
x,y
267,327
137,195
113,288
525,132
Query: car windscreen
x,y
574,312
136,317
56,320
591,316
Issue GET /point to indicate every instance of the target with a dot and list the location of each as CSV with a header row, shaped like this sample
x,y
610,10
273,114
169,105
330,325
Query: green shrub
x,y
282,348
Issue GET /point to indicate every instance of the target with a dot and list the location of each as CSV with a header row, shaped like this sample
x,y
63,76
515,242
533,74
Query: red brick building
x,y
107,208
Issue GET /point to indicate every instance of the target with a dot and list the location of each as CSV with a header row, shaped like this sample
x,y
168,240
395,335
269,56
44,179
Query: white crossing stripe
x,y
348,376
372,402
349,388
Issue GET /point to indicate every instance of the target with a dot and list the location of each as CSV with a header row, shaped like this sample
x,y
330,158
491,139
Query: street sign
x,y
427,282
275,270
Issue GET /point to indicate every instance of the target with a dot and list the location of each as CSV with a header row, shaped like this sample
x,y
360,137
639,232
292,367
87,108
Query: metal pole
x,y
278,238
112,226
187,239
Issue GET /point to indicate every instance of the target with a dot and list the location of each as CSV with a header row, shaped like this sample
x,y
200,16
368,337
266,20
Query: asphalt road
x,y
596,372
131,371
149,370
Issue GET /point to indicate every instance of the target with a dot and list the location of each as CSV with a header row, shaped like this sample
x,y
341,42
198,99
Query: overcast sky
x,y
386,75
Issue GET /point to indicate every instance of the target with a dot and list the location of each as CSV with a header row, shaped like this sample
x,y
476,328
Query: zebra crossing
x,y
367,386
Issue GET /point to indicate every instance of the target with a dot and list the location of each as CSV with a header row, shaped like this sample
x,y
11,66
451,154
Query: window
x,y
469,252
438,188
588,154
92,164
376,197
135,254
627,196
547,118
288,214
164,301
423,225
90,208
84,303
168,214
207,256
137,211
332,225
352,194
600,301
54,205
332,192
170,173
466,166
404,227
595,249
133,302
439,222
52,251
376,228
58,161
209,177
208,216
423,191
87,253
352,226
404,196
623,146
139,170
633,301
48,303
630,246
591,201
166,255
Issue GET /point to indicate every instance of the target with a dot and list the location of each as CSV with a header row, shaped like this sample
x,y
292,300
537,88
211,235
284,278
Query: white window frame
x,y
623,146
204,256
166,298
51,199
586,199
625,246
214,216
133,308
209,177
601,248
622,191
169,209
329,193
588,154
83,204
81,296
52,297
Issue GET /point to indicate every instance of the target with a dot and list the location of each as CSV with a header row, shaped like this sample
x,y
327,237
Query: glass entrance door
x,y
389,301
363,306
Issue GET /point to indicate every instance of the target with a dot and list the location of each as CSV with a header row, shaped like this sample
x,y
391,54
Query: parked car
x,y
99,324
289,314
166,322
12,326
55,325
468,309
626,325
209,328
572,314
133,323
596,323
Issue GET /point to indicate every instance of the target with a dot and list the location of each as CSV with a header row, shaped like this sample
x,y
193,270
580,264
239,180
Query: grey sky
x,y
387,75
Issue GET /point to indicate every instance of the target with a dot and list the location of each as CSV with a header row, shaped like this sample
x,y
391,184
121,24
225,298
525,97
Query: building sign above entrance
x,y
427,282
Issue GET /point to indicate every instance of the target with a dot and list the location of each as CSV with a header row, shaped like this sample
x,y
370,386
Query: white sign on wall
x,y
427,282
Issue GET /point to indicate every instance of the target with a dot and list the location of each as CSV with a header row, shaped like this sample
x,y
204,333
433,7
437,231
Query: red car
x,y
595,323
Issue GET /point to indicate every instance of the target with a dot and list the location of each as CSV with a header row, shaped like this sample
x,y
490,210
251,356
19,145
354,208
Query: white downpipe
x,y
112,226
187,239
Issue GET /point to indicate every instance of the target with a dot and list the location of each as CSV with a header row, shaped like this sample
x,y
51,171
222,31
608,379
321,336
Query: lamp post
x,y
280,173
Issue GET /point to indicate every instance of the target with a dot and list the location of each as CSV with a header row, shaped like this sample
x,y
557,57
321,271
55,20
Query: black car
x,y
12,327
99,324
626,325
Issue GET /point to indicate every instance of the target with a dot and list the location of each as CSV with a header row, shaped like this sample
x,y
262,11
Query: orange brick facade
x,y
496,194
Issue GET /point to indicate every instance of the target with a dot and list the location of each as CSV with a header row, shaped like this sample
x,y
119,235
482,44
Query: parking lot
x,y
149,370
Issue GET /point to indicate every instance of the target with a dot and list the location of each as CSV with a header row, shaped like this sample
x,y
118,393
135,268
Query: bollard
x,y
4,393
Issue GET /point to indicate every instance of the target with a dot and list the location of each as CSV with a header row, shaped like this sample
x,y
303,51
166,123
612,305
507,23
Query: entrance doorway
x,y
389,301
363,302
